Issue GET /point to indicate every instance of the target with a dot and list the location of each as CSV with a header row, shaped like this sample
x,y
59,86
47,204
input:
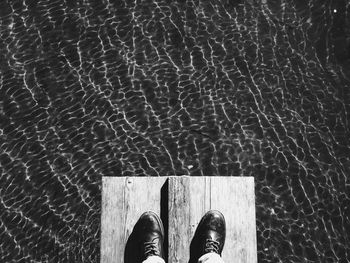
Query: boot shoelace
x,y
151,248
211,246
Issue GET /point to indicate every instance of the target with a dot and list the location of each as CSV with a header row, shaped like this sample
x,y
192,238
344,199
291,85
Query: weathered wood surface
x,y
124,199
191,197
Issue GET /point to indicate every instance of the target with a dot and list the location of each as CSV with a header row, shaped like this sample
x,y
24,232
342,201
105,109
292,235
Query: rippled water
x,y
154,88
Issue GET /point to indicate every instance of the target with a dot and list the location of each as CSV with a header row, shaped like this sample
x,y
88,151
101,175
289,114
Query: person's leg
x,y
151,236
154,259
211,257
211,233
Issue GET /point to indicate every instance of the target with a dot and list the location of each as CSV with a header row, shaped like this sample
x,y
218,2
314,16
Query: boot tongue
x,y
212,246
152,248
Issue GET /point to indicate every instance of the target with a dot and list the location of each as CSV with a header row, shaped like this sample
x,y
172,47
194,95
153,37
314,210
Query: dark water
x,y
155,88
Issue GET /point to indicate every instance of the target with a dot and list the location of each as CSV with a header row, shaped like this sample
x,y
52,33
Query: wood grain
x,y
124,199
191,197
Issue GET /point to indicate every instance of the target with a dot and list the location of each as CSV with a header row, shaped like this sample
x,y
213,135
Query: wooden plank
x,y
191,197
124,199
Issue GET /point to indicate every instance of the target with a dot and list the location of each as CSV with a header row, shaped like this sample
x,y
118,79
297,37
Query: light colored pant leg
x,y
154,259
210,258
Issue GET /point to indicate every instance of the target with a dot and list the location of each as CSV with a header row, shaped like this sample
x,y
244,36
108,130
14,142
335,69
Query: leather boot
x,y
211,233
151,235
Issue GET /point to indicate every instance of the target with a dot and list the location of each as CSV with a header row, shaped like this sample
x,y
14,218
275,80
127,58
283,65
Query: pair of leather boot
x,y
211,233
